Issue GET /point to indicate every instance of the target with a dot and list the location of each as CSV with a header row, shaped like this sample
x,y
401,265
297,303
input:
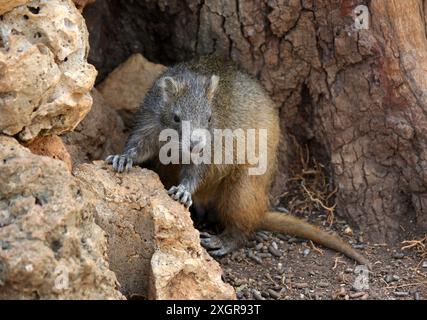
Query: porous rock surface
x,y
44,76
153,247
89,235
51,146
7,5
81,4
100,134
50,247
124,88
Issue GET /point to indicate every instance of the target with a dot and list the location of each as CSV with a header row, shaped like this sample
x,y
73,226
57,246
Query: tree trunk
x,y
357,97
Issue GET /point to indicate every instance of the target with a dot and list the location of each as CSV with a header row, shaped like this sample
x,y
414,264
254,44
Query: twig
x,y
418,245
413,243
337,260
406,285
316,249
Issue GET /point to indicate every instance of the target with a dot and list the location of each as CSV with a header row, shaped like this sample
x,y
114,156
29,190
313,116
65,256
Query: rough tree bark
x,y
357,97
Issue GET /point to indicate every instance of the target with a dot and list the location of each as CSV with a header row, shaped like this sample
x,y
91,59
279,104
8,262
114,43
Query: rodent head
x,y
187,98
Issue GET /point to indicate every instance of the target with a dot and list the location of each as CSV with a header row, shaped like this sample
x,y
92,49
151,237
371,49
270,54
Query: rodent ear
x,y
169,87
212,86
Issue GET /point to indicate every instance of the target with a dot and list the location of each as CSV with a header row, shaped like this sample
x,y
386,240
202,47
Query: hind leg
x,y
241,206
220,245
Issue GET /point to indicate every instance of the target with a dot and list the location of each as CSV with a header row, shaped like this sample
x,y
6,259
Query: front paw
x,y
181,194
120,162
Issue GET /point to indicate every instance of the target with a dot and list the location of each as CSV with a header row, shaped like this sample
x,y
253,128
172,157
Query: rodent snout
x,y
197,142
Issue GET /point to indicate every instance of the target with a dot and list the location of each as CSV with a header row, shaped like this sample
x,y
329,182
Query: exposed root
x,y
418,245
320,251
309,189
336,262
407,285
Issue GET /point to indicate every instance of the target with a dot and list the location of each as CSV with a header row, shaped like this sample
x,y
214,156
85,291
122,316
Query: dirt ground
x,y
274,266
280,267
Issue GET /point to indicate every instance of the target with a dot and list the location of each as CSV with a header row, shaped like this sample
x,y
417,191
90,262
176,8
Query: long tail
x,y
283,223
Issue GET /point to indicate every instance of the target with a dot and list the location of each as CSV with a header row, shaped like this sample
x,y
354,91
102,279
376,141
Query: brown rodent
x,y
213,94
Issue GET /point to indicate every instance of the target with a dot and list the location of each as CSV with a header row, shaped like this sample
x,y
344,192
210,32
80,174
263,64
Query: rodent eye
x,y
176,118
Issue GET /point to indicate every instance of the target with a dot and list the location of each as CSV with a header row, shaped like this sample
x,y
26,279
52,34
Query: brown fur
x,y
240,200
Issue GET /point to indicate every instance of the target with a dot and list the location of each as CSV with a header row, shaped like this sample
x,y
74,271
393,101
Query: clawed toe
x,y
181,194
120,162
212,242
217,246
220,252
205,234
109,159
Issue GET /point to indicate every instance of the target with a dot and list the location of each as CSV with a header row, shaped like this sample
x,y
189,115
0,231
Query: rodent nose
x,y
196,143
193,144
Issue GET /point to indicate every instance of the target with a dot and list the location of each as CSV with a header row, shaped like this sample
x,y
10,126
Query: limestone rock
x,y
181,268
51,146
7,5
81,4
123,212
100,134
45,79
50,248
153,246
124,88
